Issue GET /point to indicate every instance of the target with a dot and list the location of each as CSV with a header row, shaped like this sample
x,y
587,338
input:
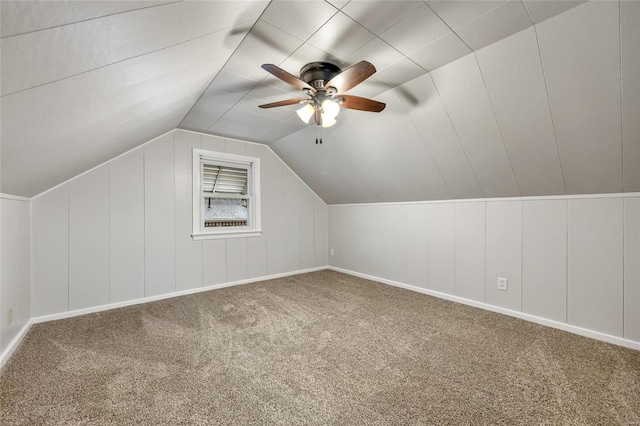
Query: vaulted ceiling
x,y
484,98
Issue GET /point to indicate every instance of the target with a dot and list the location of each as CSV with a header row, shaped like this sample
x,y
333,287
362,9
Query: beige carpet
x,y
319,348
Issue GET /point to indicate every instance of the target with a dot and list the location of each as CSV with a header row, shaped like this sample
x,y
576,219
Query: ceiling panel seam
x,y
223,65
118,62
455,131
379,38
553,123
449,26
91,19
495,117
446,184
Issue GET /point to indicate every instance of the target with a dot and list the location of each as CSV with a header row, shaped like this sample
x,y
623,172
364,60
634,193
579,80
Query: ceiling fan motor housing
x,y
317,74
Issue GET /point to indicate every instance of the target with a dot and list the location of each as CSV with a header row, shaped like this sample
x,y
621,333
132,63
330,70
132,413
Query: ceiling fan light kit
x,y
325,83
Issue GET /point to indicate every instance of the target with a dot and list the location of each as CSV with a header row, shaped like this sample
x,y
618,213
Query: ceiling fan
x,y
325,83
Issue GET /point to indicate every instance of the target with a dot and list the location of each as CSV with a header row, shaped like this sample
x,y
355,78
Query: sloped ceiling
x,y
83,81
484,98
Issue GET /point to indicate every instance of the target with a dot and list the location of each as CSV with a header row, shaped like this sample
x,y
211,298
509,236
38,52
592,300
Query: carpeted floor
x,y
319,348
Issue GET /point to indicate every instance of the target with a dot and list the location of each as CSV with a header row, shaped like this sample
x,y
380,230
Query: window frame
x,y
252,164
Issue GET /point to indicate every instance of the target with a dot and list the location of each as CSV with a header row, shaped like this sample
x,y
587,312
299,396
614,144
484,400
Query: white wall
x,y
574,260
15,281
121,232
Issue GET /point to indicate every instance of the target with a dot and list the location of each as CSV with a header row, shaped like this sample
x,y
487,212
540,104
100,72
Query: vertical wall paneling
x,y
214,262
320,233
257,256
210,142
15,289
160,225
418,245
129,229
357,240
272,216
632,268
257,246
581,49
562,257
89,239
126,227
51,252
188,252
630,55
289,233
544,259
470,250
306,227
595,282
389,242
441,247
237,259
334,216
235,147
504,253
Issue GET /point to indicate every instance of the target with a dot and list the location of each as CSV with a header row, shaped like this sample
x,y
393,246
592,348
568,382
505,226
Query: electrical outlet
x,y
9,316
331,252
502,284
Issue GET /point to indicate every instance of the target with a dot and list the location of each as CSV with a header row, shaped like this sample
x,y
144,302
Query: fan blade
x,y
283,103
286,77
351,77
362,104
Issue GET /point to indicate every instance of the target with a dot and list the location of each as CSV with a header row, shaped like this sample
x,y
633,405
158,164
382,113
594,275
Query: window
x,y
226,195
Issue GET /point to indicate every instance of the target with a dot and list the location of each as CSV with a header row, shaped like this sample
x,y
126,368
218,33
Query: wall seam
x,y
521,256
624,211
484,281
455,226
175,218
566,273
144,215
109,230
68,247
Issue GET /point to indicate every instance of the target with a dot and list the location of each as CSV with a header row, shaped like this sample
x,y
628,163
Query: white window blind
x,y
223,180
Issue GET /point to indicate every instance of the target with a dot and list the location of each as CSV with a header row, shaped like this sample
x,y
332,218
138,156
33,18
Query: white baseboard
x,y
94,309
13,345
528,317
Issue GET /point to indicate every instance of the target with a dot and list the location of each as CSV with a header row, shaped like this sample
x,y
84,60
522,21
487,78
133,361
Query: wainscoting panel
x,y
126,227
89,239
544,256
442,218
50,261
160,219
595,264
470,250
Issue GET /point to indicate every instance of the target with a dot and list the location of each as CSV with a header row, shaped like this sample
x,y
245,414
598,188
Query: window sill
x,y
228,234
